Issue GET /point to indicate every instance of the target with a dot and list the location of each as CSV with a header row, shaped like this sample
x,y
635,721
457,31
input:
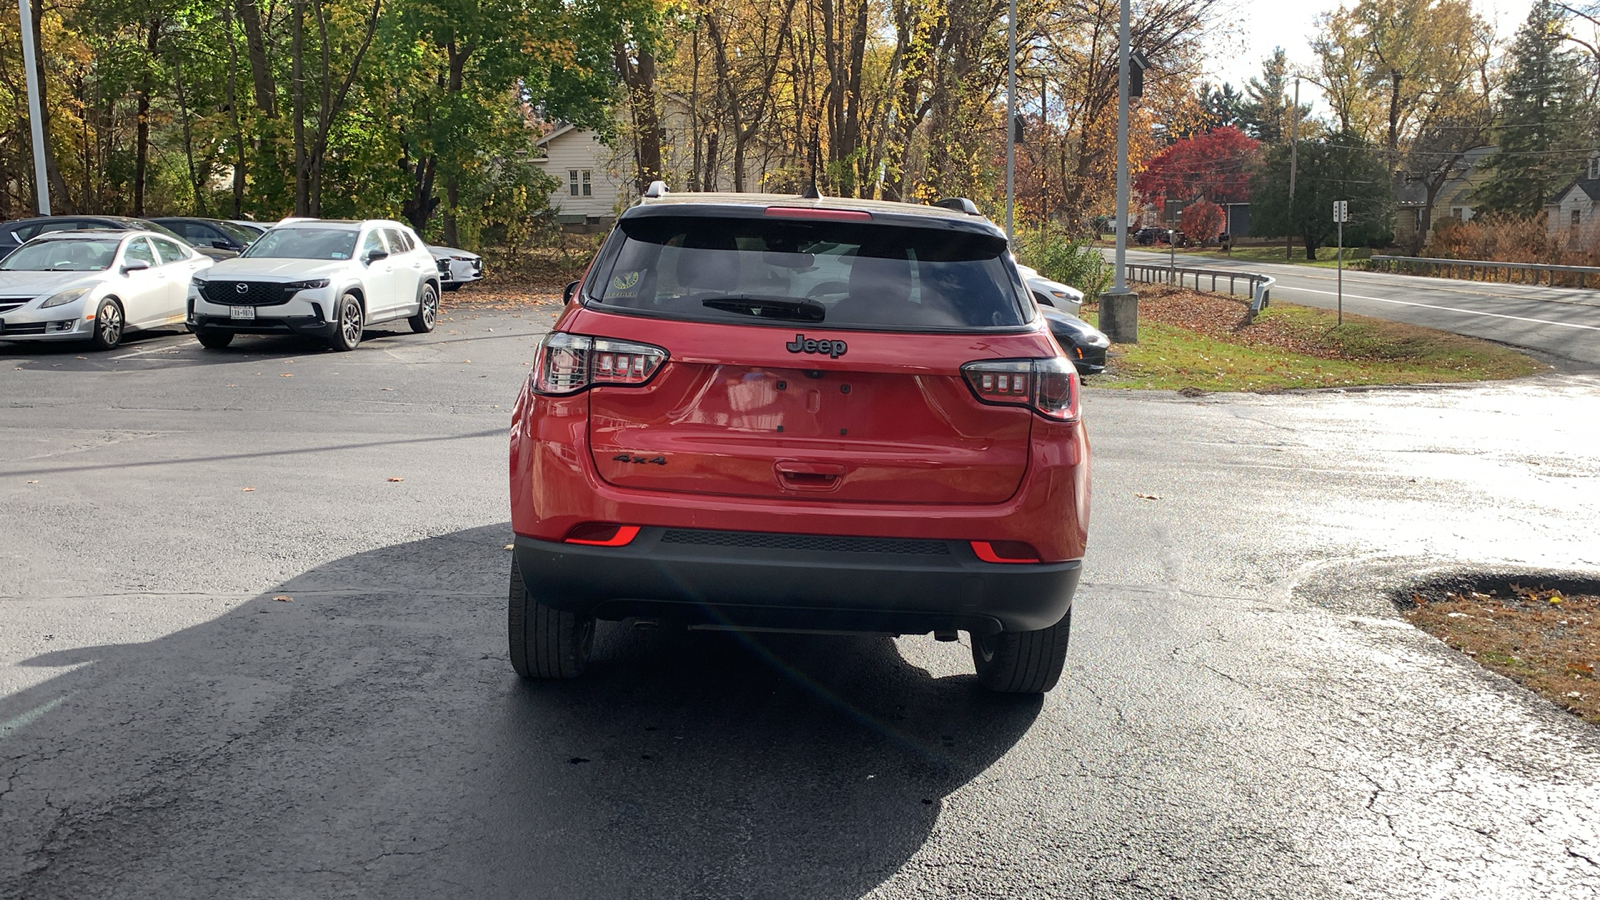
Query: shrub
x,y
1503,237
1065,259
1202,221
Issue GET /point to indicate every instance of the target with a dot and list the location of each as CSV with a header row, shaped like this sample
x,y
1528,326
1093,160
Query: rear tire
x,y
1022,662
427,311
214,340
545,642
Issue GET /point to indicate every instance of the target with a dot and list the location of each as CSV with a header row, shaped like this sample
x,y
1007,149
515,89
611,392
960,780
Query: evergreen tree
x,y
1266,108
1544,121
1340,167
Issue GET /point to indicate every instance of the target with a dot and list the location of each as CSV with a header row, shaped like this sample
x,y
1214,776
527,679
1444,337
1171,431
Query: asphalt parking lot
x,y
252,644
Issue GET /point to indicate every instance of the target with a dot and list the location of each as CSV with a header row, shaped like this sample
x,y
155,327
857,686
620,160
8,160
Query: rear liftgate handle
x,y
803,476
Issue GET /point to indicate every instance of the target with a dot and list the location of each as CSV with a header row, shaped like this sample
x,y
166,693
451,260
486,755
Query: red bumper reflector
x,y
1004,552
596,535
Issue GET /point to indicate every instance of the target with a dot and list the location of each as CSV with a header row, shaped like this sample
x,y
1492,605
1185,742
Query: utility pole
x,y
1294,167
41,176
1119,307
1011,123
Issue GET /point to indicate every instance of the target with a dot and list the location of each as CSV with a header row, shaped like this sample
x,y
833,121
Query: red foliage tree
x,y
1213,166
1202,221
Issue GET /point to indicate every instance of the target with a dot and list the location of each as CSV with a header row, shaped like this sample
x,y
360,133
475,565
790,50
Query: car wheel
x,y
427,311
108,323
545,642
348,323
1022,662
214,340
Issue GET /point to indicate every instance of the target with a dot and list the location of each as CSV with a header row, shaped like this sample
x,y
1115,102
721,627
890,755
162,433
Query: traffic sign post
x,y
1341,215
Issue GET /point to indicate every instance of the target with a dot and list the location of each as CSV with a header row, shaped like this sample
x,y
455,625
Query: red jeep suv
x,y
818,415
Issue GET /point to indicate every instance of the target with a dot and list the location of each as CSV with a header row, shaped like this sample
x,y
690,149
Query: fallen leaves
x,y
246,490
284,598
395,479
1148,496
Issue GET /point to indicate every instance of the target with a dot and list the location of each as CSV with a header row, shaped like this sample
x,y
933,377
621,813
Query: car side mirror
x,y
376,255
134,265
570,292
225,245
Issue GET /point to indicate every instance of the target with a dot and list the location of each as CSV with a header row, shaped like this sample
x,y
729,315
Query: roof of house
x,y
1590,186
560,130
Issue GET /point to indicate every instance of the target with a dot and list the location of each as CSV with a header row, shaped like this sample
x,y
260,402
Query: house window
x,y
1455,213
588,187
580,182
1594,167
1577,218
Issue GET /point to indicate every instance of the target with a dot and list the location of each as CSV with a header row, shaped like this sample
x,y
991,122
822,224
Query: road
x,y
1562,322
252,645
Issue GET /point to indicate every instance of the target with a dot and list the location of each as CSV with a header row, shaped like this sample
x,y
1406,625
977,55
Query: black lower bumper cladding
x,y
798,582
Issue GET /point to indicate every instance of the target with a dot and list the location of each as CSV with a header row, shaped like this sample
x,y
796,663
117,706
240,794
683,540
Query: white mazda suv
x,y
331,279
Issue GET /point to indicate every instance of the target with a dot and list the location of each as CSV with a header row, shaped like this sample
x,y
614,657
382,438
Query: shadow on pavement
x,y
367,737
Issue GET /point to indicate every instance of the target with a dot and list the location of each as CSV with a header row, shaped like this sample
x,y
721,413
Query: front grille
x,y
256,293
757,540
7,304
22,328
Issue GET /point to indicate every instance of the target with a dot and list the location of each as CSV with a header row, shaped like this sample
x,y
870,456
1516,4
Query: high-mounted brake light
x,y
1048,386
808,212
569,363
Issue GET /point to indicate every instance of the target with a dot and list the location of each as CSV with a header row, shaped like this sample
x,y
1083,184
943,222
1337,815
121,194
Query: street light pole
x,y
1119,282
1119,307
1294,166
41,178
1011,122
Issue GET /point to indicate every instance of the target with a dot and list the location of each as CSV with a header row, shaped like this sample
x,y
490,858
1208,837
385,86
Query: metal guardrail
x,y
1423,265
1258,285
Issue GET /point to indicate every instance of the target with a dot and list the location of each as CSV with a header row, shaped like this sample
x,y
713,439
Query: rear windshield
x,y
840,274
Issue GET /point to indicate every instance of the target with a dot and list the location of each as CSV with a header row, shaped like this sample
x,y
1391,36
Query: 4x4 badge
x,y
640,460
803,344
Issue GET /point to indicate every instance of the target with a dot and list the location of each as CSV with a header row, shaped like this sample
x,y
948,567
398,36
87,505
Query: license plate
x,y
242,312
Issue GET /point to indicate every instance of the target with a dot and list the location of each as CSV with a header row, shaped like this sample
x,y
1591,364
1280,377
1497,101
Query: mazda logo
x,y
241,288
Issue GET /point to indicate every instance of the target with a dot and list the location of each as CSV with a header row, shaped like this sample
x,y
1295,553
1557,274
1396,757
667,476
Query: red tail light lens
x,y
569,363
1048,386
1004,552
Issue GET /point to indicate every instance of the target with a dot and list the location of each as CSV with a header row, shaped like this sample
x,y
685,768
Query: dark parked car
x,y
215,233
15,234
1148,236
1084,344
798,414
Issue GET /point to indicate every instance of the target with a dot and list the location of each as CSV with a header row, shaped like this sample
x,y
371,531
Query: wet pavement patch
x,y
1541,631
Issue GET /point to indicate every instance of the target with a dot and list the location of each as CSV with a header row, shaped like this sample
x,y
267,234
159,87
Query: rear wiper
x,y
796,308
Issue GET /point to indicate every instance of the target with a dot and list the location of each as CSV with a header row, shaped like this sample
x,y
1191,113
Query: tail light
x,y
569,363
1048,386
602,534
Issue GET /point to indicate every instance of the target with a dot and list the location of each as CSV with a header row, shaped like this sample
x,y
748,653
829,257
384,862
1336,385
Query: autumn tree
x,y
1267,113
1202,221
1211,166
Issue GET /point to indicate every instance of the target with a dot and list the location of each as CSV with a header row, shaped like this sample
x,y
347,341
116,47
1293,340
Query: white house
x,y
597,180
1573,214
587,170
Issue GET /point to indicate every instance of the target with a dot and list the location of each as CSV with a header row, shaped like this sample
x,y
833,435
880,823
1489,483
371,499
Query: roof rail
x,y
656,190
959,204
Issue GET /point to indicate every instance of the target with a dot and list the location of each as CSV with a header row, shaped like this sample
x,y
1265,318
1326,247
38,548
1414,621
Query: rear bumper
x,y
708,578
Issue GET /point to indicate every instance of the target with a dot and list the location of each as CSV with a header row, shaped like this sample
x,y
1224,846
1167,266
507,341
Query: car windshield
x,y
303,243
842,274
242,235
62,256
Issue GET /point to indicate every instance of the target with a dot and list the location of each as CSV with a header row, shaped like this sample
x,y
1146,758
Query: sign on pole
x,y
1341,215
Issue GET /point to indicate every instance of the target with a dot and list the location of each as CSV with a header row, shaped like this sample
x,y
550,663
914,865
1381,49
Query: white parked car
x,y
1064,297
95,286
457,267
330,279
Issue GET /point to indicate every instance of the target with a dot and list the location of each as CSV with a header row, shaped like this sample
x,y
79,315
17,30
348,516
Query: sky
x,y
1291,24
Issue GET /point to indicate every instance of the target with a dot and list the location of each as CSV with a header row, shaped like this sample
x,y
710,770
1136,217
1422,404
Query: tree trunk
x,y
141,128
297,16
639,77
1311,248
452,198
266,91
233,112
188,134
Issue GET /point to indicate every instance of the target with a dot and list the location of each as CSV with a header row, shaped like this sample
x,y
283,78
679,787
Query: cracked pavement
x,y
1244,714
